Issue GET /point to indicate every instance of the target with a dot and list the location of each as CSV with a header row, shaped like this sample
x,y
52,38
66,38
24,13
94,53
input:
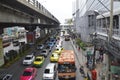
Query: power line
x,y
83,6
91,5
103,5
98,4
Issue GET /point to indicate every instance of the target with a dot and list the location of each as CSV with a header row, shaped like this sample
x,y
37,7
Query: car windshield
x,y
40,45
38,59
27,58
47,71
50,43
27,73
43,51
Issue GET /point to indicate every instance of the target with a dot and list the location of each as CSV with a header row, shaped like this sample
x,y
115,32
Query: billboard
x,y
1,53
30,37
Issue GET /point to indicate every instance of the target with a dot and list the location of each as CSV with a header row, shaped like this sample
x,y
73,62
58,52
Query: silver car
x,y
44,52
28,60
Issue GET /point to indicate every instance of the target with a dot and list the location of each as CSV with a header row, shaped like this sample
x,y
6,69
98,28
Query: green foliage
x,y
81,44
22,52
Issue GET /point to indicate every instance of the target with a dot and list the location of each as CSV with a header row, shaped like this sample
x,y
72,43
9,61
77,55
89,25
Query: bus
x,y
66,65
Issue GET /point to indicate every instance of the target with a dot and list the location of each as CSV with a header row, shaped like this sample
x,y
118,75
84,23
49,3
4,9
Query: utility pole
x,y
109,38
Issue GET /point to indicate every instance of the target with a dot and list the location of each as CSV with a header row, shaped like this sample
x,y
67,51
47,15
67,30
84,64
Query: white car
x,y
44,52
50,72
28,60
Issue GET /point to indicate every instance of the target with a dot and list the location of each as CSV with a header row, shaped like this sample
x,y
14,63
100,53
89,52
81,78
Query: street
x,y
17,68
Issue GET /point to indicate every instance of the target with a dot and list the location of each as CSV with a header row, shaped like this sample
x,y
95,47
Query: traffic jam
x,y
61,63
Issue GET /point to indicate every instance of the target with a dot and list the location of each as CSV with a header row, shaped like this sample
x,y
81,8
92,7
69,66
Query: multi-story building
x,y
85,14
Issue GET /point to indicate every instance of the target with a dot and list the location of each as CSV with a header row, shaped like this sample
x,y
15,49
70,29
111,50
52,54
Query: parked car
x,y
40,46
54,57
29,74
28,60
5,76
39,60
50,72
44,52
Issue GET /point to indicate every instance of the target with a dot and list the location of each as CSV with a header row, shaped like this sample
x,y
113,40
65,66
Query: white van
x,y
50,72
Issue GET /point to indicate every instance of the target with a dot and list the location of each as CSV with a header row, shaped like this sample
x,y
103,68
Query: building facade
x,y
87,21
84,15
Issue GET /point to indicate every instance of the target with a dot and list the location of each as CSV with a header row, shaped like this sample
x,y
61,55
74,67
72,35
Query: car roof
x,y
50,65
28,69
55,54
39,57
29,55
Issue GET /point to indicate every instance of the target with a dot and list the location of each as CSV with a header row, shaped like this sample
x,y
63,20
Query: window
x,y
115,22
47,70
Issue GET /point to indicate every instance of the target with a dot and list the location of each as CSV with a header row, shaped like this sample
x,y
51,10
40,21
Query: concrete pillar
x,y
1,52
42,33
1,30
46,31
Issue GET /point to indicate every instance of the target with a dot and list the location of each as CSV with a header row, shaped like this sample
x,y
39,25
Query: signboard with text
x,y
30,37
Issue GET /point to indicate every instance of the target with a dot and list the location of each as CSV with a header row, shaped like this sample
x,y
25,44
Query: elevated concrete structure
x,y
25,13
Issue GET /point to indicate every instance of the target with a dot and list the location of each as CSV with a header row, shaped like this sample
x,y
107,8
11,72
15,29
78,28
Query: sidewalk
x,y
82,61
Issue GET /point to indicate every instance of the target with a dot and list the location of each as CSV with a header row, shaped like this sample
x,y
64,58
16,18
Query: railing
x,y
40,7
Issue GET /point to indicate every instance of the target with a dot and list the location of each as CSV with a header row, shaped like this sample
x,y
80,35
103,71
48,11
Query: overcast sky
x,y
61,9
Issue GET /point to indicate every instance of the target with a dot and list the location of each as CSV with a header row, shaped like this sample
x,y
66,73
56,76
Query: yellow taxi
x,y
38,62
54,57
58,50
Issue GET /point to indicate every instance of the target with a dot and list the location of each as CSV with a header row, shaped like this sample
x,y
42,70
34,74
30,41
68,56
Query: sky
x,y
61,9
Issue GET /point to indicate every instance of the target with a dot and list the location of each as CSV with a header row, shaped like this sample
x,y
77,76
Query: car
x,y
39,60
28,60
16,43
53,40
58,50
51,44
48,48
67,38
40,46
50,72
5,76
44,52
29,74
54,57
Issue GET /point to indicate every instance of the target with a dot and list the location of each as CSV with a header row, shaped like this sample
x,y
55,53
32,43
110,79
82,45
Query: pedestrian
x,y
88,76
82,70
94,74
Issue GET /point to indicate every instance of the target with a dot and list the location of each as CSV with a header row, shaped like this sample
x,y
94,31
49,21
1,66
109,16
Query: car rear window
x,y
28,58
47,71
27,73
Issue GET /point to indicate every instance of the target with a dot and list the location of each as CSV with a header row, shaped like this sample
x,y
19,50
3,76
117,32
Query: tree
x,y
69,21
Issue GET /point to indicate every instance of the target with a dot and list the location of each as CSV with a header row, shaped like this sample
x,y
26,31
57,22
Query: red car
x,y
29,74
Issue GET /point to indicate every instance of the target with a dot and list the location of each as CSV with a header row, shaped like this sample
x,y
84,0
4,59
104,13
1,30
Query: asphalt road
x,y
17,68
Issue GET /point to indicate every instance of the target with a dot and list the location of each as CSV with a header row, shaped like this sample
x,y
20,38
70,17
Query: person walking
x,y
94,74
